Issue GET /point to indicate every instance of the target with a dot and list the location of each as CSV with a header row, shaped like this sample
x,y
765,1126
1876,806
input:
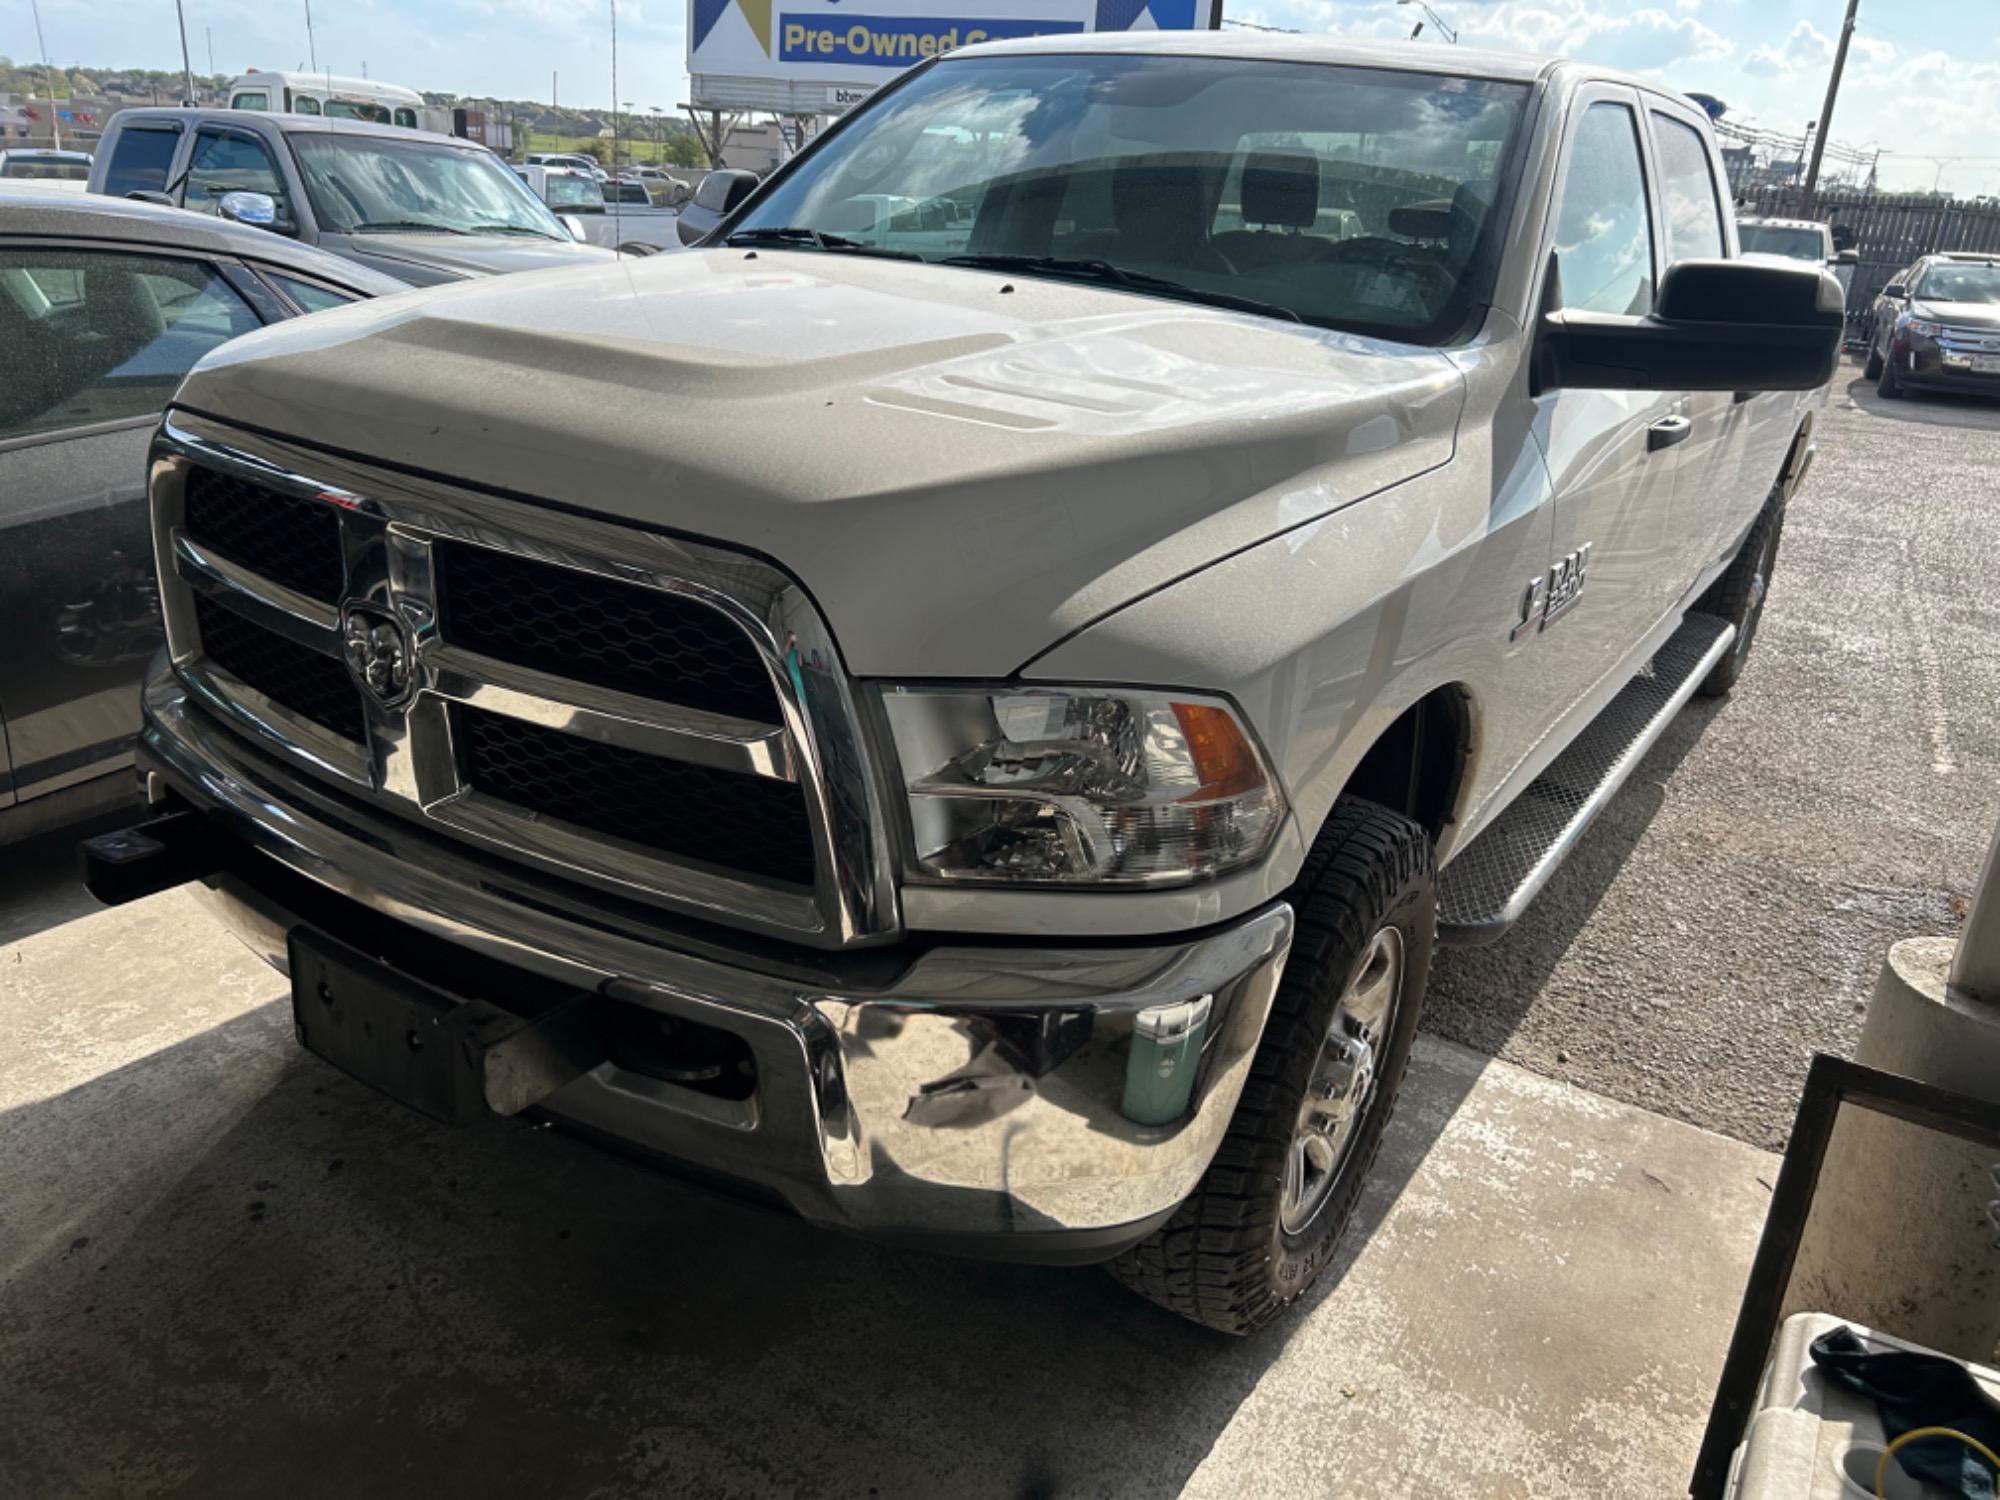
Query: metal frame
x,y
1830,1083
389,523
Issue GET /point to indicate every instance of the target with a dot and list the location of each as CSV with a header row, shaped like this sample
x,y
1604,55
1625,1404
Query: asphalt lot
x,y
1726,916
225,1270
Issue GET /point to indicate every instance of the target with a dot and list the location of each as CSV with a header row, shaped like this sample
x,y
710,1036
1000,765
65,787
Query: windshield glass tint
x,y
1768,239
359,181
1960,284
1354,198
47,168
566,192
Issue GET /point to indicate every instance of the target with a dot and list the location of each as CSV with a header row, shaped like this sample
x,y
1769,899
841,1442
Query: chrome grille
x,y
1969,340
662,717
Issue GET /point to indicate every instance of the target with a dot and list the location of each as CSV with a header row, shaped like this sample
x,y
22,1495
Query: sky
x,y
1923,76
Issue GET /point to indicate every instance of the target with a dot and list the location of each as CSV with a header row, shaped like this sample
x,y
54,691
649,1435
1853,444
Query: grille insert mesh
x,y
313,686
745,823
284,538
600,631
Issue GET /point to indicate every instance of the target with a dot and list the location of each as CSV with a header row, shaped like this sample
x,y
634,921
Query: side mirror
x,y
574,225
257,209
1897,290
146,195
1718,325
1847,257
724,190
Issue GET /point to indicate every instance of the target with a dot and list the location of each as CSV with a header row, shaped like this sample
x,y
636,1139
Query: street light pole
x,y
1433,17
48,75
187,69
1826,110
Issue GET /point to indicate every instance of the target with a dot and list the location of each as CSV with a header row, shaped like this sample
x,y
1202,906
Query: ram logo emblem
x,y
1547,599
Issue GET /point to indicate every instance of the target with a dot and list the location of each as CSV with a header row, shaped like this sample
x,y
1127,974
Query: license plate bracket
x,y
446,1056
1986,364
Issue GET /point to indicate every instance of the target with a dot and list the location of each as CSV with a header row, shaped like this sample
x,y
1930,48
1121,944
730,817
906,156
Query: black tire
x,y
1872,370
1226,1258
1738,595
1887,384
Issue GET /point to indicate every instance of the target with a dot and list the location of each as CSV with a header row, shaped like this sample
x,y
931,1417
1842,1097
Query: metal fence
x,y
1888,232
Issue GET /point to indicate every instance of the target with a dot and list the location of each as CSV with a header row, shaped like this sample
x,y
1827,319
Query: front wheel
x,y
1872,370
1265,1218
1889,384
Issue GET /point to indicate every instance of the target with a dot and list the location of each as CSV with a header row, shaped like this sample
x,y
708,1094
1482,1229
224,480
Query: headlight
x,y
1928,330
1085,786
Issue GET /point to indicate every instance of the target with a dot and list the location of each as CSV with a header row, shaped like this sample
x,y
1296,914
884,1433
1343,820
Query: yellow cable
x,y
1882,1468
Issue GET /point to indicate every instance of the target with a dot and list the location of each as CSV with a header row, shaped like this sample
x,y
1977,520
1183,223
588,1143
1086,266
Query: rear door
x,y
98,339
1611,454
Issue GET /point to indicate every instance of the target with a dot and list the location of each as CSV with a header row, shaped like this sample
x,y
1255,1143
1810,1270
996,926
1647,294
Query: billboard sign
x,y
823,56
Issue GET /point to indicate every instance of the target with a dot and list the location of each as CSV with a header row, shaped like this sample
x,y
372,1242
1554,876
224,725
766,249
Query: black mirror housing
x,y
1895,289
1847,257
1717,325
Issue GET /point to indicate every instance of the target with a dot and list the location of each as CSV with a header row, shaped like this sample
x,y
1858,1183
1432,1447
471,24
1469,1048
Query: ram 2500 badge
x,y
963,704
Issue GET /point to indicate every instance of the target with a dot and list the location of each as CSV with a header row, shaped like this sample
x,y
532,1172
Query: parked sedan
x,y
104,305
1937,327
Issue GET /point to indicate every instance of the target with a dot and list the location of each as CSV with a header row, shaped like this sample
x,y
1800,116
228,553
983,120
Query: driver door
x,y
1611,455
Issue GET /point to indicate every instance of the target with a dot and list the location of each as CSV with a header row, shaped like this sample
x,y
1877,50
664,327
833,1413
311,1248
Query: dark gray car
x,y
423,208
104,305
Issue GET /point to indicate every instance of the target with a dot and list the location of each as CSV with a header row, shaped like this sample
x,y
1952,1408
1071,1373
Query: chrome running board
x,y
1490,882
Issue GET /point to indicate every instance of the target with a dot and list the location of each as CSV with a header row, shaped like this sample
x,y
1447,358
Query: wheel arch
x,y
1420,763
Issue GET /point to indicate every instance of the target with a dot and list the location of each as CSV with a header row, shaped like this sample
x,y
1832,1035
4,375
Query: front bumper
x,y
1924,362
970,1096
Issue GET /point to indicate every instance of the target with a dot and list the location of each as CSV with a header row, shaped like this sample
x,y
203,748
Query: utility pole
x,y
209,32
187,71
48,75
311,50
1826,111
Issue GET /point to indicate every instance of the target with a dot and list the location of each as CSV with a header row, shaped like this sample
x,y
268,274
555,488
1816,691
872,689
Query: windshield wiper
x,y
798,237
1106,274
385,225
540,234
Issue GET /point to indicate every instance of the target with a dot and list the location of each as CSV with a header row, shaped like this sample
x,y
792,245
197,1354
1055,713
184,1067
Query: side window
x,y
251,101
231,164
95,337
1687,191
407,118
309,295
140,159
305,104
1604,242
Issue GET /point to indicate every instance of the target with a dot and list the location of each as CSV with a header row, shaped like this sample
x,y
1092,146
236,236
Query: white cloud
x,y
1806,48
1647,40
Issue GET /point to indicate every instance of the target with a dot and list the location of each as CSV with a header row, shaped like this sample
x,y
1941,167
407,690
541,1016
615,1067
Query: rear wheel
x,y
1872,370
1738,595
1265,1219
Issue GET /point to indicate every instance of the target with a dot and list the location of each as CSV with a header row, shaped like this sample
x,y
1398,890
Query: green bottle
x,y
1159,1070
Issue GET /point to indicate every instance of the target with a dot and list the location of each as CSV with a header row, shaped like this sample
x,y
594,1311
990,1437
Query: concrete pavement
x,y
227,1271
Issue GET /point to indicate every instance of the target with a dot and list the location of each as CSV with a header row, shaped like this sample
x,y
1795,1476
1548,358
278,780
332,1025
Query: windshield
x,y
566,192
1349,198
1794,244
47,168
361,184
1949,283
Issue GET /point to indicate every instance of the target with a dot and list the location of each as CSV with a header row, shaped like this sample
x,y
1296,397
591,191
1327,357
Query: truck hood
x,y
428,259
962,467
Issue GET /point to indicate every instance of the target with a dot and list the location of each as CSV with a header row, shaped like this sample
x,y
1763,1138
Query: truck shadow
x,y
1479,997
333,1296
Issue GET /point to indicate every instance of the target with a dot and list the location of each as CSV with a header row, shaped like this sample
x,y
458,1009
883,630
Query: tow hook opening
x,y
674,1050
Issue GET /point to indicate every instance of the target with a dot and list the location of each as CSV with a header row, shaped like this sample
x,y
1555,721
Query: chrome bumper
x,y
981,1097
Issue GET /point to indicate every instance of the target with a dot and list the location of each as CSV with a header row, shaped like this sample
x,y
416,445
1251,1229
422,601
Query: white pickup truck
x,y
973,737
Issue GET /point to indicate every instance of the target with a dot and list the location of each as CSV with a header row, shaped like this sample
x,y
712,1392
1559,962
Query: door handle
x,y
1666,432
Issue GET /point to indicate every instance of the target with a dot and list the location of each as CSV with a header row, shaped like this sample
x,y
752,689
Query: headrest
x,y
1421,221
1281,188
